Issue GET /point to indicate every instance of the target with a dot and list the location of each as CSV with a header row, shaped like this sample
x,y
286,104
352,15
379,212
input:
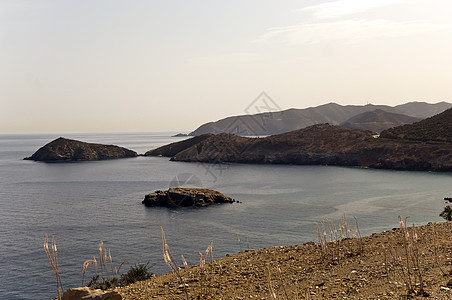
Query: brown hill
x,y
317,144
434,129
378,120
63,150
321,144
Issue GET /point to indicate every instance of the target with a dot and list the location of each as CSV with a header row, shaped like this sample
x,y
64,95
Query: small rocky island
x,y
66,150
184,197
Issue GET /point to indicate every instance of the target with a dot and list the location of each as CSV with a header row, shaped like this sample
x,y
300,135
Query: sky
x,y
148,66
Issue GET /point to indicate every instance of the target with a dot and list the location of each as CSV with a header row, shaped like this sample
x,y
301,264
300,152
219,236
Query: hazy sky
x,y
143,65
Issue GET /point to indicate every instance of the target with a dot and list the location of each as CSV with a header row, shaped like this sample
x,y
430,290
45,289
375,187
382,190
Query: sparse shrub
x,y
447,213
103,283
136,273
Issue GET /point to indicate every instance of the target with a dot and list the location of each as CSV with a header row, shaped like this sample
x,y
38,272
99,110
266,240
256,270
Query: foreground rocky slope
x,y
63,150
361,268
321,145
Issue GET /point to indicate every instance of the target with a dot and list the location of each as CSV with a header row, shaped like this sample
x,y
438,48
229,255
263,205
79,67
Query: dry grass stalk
x,y
53,259
283,284
184,261
202,263
110,260
322,239
105,260
271,291
332,239
85,266
238,241
120,265
435,251
409,267
169,260
209,252
167,256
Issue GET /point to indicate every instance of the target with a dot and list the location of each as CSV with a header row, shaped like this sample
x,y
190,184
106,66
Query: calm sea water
x,y
87,202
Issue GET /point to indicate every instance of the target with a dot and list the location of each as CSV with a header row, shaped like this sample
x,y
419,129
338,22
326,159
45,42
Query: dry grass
x,y
169,260
53,260
407,261
329,235
108,272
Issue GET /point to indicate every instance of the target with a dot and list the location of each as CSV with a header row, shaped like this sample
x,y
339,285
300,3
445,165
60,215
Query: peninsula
x,y
421,146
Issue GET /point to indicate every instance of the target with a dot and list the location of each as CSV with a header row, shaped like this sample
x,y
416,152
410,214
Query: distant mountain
x,y
422,109
271,123
378,120
434,129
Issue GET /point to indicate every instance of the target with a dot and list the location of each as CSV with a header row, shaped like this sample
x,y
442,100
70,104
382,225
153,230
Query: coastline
x,y
355,268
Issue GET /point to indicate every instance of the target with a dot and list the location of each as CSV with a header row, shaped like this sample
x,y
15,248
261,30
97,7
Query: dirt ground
x,y
373,267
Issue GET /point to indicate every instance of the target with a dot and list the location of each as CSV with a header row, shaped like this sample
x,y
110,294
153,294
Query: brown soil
x,y
349,269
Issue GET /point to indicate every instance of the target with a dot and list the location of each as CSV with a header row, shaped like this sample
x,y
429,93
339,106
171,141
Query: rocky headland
x,y
174,148
184,197
325,144
67,150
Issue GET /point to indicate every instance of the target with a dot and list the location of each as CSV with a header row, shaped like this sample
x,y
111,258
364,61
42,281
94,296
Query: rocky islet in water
x,y
67,150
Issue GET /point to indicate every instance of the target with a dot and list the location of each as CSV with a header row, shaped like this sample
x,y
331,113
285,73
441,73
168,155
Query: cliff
x,y
64,150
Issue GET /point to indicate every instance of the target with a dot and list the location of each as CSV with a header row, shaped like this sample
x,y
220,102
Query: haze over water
x,y
86,202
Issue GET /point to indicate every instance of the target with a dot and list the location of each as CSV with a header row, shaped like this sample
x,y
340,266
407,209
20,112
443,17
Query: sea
x,y
84,203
